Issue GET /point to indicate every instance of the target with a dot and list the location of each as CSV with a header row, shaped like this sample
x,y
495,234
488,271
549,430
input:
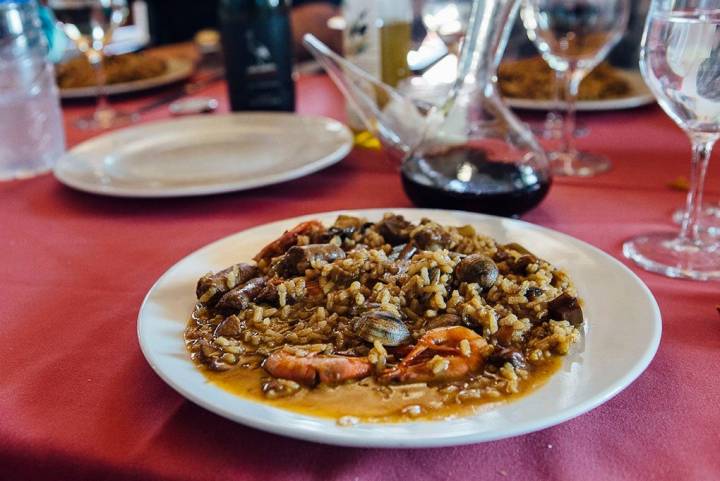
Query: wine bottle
x,y
256,42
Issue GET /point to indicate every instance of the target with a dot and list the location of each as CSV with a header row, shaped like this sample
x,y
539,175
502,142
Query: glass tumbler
x,y
31,126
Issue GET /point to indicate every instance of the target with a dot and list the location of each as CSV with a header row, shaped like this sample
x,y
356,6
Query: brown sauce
x,y
370,402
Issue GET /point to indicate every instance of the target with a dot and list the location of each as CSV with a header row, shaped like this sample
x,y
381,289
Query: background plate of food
x,y
361,329
530,84
127,73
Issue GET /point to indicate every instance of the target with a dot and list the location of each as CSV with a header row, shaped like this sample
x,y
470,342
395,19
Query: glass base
x,y
579,164
27,173
709,220
552,133
665,254
105,119
552,128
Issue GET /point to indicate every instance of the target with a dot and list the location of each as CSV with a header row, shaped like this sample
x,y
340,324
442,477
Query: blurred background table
x,y
78,401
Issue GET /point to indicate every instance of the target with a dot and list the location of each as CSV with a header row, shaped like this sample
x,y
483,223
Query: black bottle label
x,y
258,62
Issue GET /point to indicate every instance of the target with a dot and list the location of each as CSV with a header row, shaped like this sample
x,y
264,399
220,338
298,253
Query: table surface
x,y
78,400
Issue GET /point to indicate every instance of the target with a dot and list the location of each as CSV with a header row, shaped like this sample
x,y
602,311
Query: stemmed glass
x,y
90,25
574,36
709,218
680,61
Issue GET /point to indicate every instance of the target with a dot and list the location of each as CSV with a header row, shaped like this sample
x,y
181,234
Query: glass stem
x,y
702,146
570,93
554,123
102,108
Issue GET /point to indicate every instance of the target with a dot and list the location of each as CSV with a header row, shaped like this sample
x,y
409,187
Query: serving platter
x,y
177,69
200,155
621,336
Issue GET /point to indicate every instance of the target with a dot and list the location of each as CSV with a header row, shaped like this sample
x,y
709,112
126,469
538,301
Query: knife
x,y
187,89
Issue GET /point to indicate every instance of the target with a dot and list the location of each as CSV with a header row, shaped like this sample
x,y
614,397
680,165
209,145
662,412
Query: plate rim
x,y
184,69
65,176
625,103
346,438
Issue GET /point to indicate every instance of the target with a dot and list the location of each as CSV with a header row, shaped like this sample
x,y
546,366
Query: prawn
x,y
461,351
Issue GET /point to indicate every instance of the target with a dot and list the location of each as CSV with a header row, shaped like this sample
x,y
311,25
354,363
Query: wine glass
x,y
709,218
574,36
680,61
90,25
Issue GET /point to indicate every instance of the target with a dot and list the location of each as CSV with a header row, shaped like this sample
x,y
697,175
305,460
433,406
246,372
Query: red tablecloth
x,y
78,401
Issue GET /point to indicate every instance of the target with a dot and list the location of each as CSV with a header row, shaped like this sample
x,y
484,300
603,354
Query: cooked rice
x,y
315,311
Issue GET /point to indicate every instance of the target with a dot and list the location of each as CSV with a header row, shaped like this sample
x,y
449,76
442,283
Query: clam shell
x,y
382,327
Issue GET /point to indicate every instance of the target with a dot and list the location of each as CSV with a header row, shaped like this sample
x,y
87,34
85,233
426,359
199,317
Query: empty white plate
x,y
621,336
204,155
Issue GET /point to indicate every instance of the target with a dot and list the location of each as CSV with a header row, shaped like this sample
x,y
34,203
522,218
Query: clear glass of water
x,y
90,25
574,36
680,61
32,137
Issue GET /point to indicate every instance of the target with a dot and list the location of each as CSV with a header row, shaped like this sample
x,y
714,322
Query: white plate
x,y
640,95
177,69
621,337
201,155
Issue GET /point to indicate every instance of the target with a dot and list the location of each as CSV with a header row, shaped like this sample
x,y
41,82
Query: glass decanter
x,y
467,150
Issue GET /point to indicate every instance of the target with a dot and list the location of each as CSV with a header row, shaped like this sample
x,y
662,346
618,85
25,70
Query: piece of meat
x,y
394,229
504,355
504,335
401,255
241,297
269,293
519,265
231,326
345,226
211,286
501,255
533,292
403,252
444,320
517,248
299,258
566,308
289,238
431,237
